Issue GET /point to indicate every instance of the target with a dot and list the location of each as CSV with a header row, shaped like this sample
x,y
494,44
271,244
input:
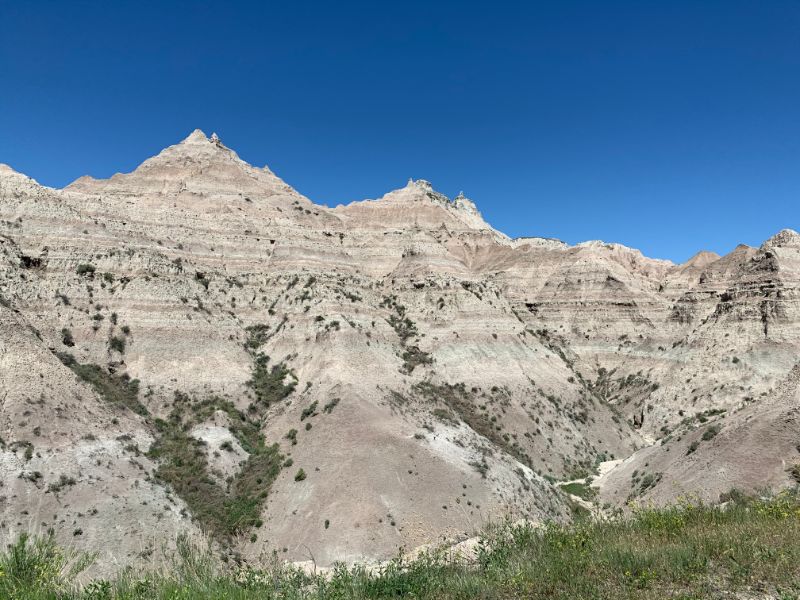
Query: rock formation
x,y
195,346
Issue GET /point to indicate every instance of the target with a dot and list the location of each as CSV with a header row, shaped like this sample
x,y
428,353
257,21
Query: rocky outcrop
x,y
418,371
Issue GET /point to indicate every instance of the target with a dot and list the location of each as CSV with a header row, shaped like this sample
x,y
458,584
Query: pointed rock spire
x,y
196,137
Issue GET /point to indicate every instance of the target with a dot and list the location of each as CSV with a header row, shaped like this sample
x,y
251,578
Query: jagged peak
x,y
420,183
197,143
461,202
422,189
196,137
418,197
197,163
784,238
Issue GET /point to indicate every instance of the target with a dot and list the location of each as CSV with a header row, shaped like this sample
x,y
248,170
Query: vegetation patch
x,y
64,481
257,336
405,329
224,510
270,382
463,403
85,269
309,411
118,390
581,490
413,357
710,433
330,405
642,482
117,344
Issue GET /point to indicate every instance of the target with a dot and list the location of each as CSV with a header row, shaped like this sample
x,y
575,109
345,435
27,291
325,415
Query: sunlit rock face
x,y
437,373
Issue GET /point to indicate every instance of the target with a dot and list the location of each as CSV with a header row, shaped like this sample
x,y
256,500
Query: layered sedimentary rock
x,y
340,383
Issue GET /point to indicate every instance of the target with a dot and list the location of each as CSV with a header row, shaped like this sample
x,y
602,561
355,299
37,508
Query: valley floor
x,y
747,548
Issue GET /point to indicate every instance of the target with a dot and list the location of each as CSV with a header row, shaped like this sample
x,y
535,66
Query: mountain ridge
x,y
425,372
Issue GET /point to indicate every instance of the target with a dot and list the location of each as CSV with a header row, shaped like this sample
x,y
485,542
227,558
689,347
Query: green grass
x,y
581,490
751,548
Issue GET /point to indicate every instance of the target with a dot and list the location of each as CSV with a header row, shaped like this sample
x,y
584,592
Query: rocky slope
x,y
195,346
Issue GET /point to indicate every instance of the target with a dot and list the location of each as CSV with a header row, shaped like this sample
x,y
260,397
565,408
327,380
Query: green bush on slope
x,y
223,510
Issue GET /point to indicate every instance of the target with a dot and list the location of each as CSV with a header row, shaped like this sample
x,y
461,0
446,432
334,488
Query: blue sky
x,y
667,126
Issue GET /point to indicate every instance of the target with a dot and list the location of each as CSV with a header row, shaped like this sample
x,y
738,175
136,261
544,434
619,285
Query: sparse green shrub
x,y
117,344
300,475
121,391
63,481
445,415
711,433
309,411
257,335
292,436
481,467
413,357
85,269
463,403
403,326
202,279
268,383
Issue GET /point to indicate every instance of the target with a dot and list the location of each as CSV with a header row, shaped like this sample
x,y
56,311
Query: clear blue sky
x,y
669,126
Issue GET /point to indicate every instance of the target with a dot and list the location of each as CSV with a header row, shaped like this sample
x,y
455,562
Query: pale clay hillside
x,y
420,373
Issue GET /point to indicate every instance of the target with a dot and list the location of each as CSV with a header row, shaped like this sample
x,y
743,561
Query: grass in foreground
x,y
689,552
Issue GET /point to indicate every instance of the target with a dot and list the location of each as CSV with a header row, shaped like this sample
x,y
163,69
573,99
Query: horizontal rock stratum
x,y
195,346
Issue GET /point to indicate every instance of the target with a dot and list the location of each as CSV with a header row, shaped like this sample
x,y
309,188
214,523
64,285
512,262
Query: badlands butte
x,y
196,347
